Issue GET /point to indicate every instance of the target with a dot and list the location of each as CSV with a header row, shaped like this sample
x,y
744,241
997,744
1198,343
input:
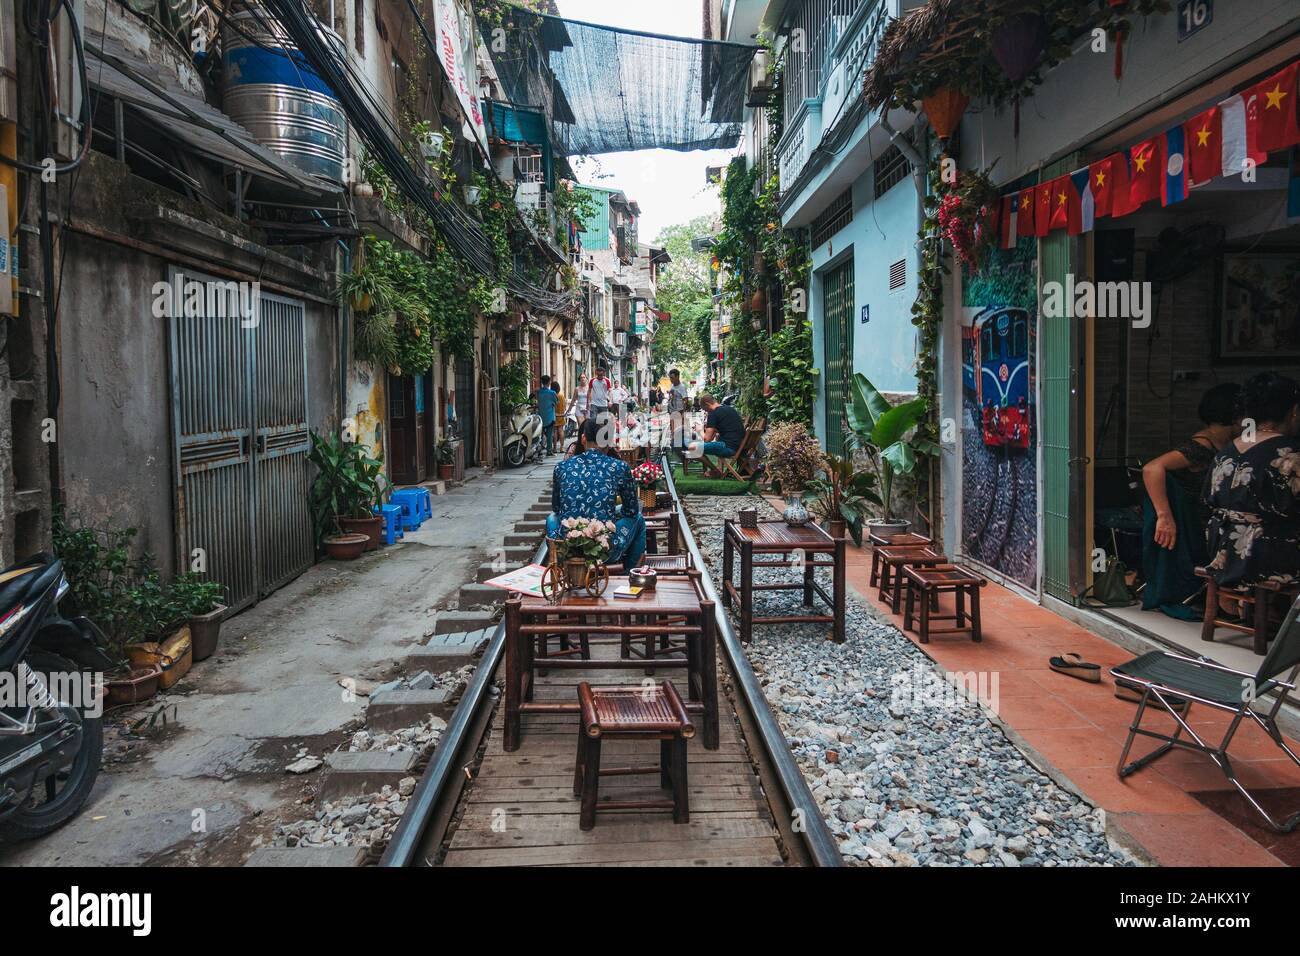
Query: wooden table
x,y
652,614
776,537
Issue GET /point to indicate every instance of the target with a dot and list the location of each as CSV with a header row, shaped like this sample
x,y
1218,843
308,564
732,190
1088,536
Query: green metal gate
x,y
1057,370
837,337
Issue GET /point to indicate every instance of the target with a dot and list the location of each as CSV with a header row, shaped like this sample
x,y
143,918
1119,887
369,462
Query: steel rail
x,y
816,835
443,770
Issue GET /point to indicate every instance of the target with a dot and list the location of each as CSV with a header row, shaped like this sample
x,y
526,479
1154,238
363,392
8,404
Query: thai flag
x,y
1173,185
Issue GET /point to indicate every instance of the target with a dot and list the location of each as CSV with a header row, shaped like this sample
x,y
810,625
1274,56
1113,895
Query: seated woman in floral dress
x,y
1253,490
586,486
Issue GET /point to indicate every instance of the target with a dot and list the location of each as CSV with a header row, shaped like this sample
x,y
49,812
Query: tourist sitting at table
x,y
724,430
591,484
1173,517
1253,490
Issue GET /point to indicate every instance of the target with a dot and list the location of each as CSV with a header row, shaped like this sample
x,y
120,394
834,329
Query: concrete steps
x,y
473,595
456,622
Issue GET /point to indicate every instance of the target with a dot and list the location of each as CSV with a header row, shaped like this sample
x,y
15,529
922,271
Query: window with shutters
x,y
890,169
833,218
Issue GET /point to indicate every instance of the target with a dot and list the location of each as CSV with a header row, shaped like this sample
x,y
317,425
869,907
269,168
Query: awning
x,y
115,72
624,89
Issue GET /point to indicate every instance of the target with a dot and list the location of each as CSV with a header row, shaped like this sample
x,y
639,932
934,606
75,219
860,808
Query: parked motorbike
x,y
50,750
526,439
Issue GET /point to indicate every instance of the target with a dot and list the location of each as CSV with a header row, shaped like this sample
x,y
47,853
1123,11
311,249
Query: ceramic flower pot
x,y
372,528
883,528
346,547
795,514
138,684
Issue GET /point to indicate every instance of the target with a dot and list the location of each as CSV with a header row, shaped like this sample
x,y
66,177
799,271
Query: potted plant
x,y
156,630
343,497
647,476
839,495
201,601
793,457
586,544
446,460
887,434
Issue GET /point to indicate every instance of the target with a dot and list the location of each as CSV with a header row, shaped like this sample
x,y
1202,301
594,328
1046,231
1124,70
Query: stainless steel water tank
x,y
272,91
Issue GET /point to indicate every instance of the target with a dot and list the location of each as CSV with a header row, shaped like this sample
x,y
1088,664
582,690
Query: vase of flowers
x,y
586,546
647,476
793,457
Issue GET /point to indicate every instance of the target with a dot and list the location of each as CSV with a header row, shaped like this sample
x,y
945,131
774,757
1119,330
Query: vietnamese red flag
x,y
1146,169
1066,213
1025,207
1203,142
1270,111
1101,180
1120,204
1043,212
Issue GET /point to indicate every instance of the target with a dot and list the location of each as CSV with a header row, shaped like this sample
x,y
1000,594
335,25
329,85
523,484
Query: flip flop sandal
x,y
1133,694
1072,665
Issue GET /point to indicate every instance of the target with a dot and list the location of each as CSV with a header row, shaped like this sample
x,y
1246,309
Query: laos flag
x,y
1173,186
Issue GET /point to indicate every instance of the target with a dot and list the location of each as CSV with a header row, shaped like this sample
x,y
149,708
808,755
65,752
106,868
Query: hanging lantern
x,y
1018,45
758,301
1119,6
944,108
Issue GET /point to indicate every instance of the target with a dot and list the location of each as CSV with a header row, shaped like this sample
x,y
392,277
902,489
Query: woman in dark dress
x,y
1173,517
1253,490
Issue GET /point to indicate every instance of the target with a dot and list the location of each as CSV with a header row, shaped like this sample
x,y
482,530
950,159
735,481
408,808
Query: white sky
x,y
668,185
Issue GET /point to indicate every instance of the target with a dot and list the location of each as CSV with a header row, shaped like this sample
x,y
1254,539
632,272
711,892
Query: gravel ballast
x,y
907,770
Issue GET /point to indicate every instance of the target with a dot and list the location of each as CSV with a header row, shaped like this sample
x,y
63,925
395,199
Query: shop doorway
x,y
837,312
408,461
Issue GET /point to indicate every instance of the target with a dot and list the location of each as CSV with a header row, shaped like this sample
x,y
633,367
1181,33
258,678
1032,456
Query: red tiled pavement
x,y
1080,729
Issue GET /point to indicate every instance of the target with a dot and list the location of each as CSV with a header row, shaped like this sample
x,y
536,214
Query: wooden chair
x,y
893,561
928,583
1258,597
632,713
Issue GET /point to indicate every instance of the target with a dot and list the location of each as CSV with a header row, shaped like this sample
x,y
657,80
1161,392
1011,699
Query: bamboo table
x,y
674,608
776,537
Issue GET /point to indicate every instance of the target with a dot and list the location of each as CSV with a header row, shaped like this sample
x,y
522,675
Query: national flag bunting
x,y
1173,184
1081,186
1066,213
1238,137
1203,141
1025,212
1043,212
1007,222
1145,167
1101,182
1271,111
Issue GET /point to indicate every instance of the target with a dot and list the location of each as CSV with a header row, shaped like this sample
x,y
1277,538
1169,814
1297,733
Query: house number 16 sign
x,y
1194,16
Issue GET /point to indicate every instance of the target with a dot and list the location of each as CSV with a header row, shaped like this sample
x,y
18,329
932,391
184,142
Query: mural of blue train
x,y
996,347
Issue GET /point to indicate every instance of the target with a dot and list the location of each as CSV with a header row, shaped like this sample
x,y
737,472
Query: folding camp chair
x,y
1161,676
743,464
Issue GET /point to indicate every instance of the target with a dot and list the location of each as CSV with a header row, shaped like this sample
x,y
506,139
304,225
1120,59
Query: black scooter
x,y
50,747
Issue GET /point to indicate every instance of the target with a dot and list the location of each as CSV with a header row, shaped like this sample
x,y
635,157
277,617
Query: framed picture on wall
x,y
1259,308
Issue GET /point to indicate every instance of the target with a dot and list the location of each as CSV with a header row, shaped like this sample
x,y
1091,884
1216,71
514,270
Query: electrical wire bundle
x,y
379,131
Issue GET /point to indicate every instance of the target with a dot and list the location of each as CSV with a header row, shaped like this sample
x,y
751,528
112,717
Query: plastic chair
x,y
392,515
413,505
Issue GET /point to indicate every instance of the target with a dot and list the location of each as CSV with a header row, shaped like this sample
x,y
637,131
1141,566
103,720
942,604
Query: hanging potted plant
x,y
886,433
793,457
343,498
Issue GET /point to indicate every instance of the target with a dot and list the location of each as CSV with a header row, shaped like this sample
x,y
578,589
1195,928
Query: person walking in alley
x,y
580,400
598,392
724,430
561,406
587,486
676,399
546,400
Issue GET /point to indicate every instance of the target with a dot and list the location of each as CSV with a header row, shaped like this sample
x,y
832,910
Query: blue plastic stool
x,y
412,503
392,515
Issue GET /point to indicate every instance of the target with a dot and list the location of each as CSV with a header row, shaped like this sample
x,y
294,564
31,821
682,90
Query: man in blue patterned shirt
x,y
586,485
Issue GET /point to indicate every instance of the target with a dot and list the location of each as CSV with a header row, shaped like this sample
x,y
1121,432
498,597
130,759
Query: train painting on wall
x,y
996,374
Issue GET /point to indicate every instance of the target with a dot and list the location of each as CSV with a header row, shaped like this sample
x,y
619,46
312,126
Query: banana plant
x,y
887,433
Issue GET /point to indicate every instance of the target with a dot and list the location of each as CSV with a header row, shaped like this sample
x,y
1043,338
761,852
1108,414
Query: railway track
x,y
751,791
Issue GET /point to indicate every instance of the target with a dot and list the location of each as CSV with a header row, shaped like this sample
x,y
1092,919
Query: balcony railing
x,y
823,84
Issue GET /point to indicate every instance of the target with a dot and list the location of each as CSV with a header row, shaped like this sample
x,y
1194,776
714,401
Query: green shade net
x,y
615,90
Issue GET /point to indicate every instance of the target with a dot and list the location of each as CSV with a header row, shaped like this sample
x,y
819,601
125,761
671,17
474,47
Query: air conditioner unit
x,y
513,341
